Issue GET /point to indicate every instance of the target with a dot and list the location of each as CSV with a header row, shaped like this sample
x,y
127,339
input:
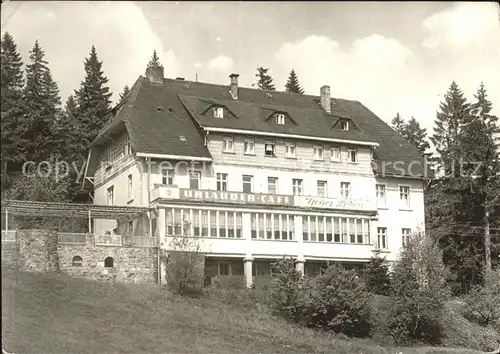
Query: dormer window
x,y
182,138
280,118
344,125
219,112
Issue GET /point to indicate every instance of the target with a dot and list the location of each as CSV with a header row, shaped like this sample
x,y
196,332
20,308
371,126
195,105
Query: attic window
x,y
344,125
159,109
218,112
182,138
280,118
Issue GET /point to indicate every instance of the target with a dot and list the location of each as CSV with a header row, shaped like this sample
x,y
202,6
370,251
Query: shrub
x,y
286,295
185,264
337,300
483,302
377,277
419,293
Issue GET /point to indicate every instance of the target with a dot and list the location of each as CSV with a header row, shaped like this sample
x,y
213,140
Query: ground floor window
x,y
262,269
335,229
205,223
272,226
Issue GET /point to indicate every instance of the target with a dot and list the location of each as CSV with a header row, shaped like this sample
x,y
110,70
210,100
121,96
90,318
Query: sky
x,y
390,56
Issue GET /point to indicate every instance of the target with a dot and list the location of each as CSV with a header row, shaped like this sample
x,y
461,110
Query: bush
x,y
377,277
286,295
338,300
419,293
483,302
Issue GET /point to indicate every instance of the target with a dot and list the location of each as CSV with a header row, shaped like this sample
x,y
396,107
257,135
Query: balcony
x,y
239,198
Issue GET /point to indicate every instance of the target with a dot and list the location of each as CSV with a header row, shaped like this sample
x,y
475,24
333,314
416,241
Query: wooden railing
x,y
9,235
71,237
108,240
139,241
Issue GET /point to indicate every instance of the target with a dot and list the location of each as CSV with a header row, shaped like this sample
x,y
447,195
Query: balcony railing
x,y
108,240
71,238
9,235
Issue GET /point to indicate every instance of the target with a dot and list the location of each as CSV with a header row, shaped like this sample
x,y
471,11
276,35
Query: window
x,y
298,187
227,144
247,184
405,236
344,125
249,146
130,227
380,188
269,148
111,197
290,149
77,261
335,154
130,190
280,118
128,146
218,112
182,138
224,268
272,185
404,197
345,190
352,155
167,177
318,152
382,238
194,179
109,262
111,155
222,181
322,189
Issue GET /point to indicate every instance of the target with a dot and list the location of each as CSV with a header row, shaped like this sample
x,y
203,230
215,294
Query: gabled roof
x,y
155,115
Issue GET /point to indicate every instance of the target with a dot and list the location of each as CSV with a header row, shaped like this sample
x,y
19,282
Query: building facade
x,y
256,175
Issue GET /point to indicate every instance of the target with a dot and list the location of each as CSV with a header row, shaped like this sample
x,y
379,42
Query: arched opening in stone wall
x,y
77,261
109,262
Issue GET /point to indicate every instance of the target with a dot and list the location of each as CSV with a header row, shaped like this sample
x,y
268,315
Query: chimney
x,y
325,98
234,86
155,74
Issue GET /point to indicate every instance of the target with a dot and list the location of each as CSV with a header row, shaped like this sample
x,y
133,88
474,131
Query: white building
x,y
258,175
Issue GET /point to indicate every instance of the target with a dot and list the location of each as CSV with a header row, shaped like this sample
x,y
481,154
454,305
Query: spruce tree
x,y
12,82
398,124
124,93
93,100
265,81
40,108
416,135
155,61
453,113
293,85
377,276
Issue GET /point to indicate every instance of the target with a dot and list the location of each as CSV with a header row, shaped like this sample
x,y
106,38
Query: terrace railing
x,y
139,241
108,240
71,238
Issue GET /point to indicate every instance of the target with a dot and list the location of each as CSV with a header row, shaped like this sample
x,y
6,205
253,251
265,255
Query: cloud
x,y
221,63
123,38
463,25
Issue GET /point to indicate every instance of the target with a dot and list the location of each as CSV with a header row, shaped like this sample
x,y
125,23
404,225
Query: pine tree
x,y
155,61
93,100
124,93
265,81
481,109
12,82
453,114
398,124
416,135
377,276
293,85
40,106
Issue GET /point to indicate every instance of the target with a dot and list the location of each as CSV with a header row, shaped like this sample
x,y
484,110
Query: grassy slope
x,y
43,313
